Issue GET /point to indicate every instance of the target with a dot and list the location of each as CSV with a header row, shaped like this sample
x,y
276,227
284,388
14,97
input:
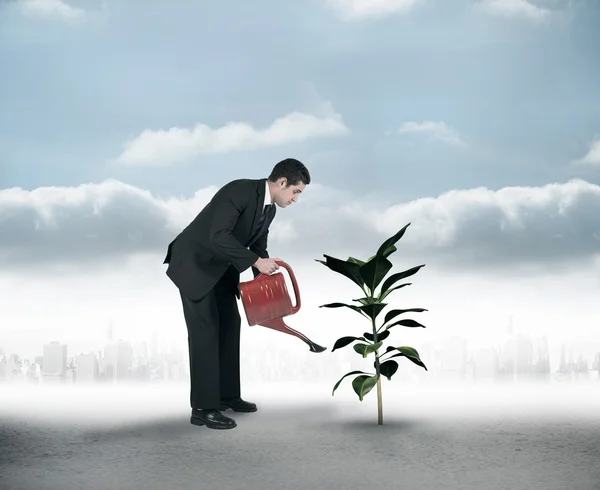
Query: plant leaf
x,y
388,368
341,305
387,248
344,341
363,384
394,278
374,271
366,301
408,352
356,261
347,374
406,323
360,348
380,336
374,347
383,294
373,310
405,349
394,313
366,349
348,269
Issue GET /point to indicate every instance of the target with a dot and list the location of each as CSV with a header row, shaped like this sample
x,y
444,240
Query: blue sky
x,y
522,94
478,122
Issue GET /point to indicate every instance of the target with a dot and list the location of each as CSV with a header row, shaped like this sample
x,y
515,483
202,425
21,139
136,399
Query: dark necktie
x,y
261,221
263,216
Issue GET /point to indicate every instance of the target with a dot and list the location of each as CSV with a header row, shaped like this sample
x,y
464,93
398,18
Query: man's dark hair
x,y
293,170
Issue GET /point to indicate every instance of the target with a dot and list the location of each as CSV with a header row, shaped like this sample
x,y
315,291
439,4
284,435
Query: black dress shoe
x,y
213,419
237,405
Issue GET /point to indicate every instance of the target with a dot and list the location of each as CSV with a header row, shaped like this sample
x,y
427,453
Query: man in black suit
x,y
205,261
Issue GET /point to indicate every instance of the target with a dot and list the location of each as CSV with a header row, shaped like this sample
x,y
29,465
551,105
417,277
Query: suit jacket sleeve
x,y
259,247
225,218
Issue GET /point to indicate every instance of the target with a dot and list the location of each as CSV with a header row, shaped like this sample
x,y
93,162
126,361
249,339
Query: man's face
x,y
287,195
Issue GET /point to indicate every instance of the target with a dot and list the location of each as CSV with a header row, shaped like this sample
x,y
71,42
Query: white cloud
x,y
72,228
357,9
592,157
51,8
93,253
437,130
515,8
179,144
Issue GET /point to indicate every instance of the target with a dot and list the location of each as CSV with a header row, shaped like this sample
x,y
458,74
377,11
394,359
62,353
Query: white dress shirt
x,y
267,195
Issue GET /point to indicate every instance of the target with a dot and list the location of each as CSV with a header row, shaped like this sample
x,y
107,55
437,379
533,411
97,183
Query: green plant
x,y
368,275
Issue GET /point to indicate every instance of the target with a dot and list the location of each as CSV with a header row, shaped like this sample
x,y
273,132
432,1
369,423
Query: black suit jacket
x,y
218,243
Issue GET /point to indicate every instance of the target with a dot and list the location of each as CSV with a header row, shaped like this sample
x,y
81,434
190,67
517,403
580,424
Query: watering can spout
x,y
316,347
279,325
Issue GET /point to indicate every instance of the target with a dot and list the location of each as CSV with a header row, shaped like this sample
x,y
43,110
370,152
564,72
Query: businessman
x,y
205,261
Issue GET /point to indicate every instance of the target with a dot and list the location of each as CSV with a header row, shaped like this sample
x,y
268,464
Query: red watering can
x,y
266,301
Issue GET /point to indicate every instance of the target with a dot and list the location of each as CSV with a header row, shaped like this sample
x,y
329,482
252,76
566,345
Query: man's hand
x,y
267,266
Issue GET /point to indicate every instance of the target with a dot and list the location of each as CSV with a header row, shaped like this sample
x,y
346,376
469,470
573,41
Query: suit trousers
x,y
213,324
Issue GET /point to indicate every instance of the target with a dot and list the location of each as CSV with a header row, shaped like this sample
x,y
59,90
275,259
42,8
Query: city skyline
x,y
518,358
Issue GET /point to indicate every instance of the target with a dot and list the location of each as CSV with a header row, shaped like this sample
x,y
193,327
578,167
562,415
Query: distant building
x,y
3,368
540,368
454,359
485,364
118,360
54,367
88,369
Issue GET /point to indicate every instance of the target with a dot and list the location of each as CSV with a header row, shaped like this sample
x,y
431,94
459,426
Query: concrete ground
x,y
434,437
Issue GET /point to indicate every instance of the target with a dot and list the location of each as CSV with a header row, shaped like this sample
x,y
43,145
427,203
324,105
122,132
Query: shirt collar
x,y
267,193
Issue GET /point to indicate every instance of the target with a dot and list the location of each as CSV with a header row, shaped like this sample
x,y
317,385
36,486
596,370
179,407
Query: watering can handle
x,y
294,283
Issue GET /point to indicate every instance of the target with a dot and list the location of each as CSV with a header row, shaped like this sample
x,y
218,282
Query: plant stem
x,y
377,372
379,405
